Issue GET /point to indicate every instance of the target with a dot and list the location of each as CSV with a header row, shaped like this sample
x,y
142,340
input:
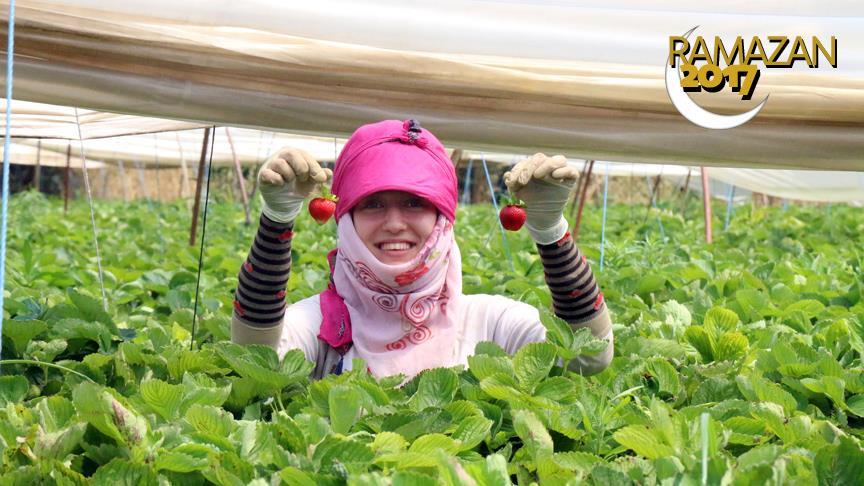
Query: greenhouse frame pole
x,y
706,202
241,181
584,192
66,178
37,172
198,184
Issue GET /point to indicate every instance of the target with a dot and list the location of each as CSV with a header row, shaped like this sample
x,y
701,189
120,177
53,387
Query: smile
x,y
395,246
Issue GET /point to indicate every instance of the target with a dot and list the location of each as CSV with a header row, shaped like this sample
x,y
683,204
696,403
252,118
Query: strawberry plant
x,y
735,363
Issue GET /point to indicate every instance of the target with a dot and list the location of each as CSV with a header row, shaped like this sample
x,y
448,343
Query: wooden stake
x,y
577,189
575,232
241,181
37,172
706,200
66,178
193,232
653,192
686,190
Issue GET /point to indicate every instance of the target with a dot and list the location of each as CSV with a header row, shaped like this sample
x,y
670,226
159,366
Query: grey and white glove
x,y
544,184
287,178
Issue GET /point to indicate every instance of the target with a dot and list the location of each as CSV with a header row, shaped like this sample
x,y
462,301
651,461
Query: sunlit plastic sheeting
x,y
42,120
797,184
22,154
166,149
517,76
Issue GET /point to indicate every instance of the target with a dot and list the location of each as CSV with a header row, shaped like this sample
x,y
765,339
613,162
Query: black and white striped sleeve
x,y
576,297
259,301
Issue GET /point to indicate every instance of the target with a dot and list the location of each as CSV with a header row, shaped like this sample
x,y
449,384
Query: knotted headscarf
x,y
400,318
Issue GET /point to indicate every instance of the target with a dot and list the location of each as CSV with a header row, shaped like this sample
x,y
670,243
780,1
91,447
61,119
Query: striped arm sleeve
x,y
576,298
259,301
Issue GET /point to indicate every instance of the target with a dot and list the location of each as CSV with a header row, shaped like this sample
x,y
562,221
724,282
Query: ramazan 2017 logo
x,y
740,71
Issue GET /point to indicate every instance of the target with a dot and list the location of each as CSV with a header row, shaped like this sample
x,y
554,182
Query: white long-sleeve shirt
x,y
509,323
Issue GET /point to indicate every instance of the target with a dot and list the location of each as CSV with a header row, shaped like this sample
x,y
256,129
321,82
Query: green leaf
x,y
162,397
840,465
260,363
436,388
731,346
57,445
107,414
54,413
700,339
471,431
665,375
855,403
576,461
752,301
291,476
483,366
345,403
533,434
13,389
78,329
122,472
389,443
720,318
345,451
210,420
490,348
183,459
532,363
650,283
22,332
642,441
557,388
429,443
491,472
768,391
90,309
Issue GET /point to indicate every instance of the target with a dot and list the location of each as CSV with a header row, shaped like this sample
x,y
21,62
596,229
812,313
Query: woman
x,y
395,293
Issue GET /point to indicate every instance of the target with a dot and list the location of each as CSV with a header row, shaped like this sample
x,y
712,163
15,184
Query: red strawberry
x,y
322,208
512,215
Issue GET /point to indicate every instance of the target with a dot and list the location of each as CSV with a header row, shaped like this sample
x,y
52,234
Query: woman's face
x,y
394,224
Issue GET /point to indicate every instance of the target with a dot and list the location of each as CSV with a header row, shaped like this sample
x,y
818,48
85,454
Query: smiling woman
x,y
394,224
395,296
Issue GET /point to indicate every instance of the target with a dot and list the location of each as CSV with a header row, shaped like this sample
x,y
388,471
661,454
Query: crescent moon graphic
x,y
695,113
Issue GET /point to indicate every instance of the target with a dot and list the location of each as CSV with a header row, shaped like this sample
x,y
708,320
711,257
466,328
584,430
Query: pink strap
x,y
336,323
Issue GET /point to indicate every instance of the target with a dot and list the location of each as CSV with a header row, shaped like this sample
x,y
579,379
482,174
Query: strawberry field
x,y
738,362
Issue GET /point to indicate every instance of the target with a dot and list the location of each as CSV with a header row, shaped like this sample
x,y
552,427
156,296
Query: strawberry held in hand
x,y
322,208
512,215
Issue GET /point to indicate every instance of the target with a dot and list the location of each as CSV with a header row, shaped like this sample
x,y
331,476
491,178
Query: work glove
x,y
544,184
287,178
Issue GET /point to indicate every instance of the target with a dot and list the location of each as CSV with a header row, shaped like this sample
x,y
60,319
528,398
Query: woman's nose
x,y
394,220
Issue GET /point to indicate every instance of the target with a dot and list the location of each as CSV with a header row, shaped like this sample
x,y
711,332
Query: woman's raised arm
x,y
544,184
286,179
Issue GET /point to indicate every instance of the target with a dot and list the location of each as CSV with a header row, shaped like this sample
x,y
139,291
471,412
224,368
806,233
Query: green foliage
x,y
763,332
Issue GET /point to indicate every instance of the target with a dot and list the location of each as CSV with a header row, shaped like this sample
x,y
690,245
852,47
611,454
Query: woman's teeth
x,y
395,246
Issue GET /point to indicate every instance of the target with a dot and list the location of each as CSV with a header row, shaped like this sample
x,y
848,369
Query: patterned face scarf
x,y
400,318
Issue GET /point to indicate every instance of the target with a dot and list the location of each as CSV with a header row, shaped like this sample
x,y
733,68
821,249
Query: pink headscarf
x,y
400,318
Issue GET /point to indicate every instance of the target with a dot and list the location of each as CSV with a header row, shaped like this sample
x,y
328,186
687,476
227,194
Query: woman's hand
x,y
287,178
544,183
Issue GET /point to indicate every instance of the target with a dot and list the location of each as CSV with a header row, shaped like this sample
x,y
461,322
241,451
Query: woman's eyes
x,y
409,203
